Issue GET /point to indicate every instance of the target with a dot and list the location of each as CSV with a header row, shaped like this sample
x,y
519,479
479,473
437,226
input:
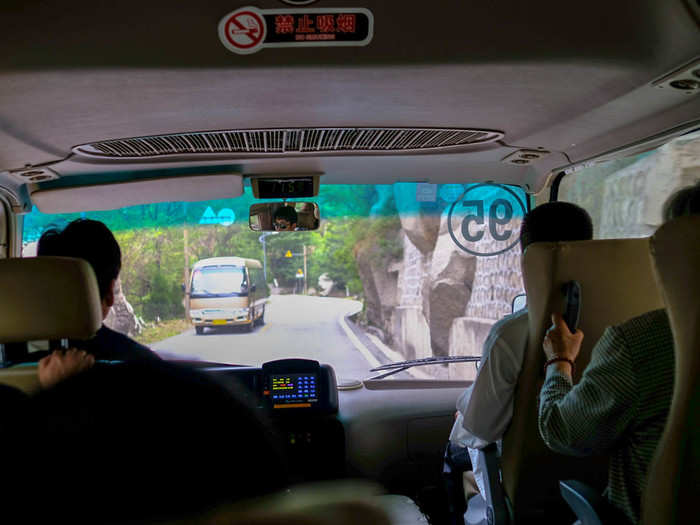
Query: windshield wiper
x,y
395,368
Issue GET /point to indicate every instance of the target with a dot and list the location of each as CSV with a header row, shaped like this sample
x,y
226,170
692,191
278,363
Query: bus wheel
x,y
199,330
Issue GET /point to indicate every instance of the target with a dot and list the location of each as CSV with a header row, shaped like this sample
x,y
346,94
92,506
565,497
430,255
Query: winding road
x,y
295,326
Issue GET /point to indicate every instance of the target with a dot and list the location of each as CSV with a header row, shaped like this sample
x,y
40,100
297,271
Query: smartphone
x,y
572,304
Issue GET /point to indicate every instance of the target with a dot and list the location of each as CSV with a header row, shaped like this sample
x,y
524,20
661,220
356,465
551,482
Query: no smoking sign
x,y
243,31
249,29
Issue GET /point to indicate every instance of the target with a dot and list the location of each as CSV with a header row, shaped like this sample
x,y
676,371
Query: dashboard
x,y
286,387
389,431
393,432
299,398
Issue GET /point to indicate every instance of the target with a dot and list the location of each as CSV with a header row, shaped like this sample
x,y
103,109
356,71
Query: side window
x,y
625,197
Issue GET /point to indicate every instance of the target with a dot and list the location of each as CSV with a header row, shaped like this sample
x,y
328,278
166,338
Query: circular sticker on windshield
x,y
485,219
226,217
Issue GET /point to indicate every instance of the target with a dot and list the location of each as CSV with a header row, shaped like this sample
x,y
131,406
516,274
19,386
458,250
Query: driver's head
x,y
92,241
285,218
555,222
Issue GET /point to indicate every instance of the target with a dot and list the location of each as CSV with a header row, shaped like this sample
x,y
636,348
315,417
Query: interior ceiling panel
x,y
566,79
479,166
161,33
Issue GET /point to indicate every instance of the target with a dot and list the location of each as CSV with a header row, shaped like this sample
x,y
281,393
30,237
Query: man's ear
x,y
108,299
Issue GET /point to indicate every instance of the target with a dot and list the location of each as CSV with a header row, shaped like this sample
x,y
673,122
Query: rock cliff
x,y
436,299
121,316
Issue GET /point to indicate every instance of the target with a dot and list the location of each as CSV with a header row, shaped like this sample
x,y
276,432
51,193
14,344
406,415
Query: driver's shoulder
x,y
119,342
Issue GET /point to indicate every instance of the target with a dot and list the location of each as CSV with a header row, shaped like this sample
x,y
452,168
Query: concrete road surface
x,y
295,326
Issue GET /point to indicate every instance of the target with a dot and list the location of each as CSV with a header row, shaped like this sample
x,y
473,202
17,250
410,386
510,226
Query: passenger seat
x,y
616,284
673,484
44,298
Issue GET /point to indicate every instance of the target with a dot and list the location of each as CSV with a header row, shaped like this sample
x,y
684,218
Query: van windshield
x,y
218,281
396,272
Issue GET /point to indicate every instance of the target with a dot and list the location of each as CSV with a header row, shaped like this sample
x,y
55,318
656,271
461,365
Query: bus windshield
x,y
218,280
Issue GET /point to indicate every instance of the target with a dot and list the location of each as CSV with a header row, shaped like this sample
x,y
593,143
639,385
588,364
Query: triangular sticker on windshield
x,y
209,217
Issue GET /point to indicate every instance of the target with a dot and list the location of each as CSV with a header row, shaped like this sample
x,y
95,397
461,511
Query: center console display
x,y
301,384
297,390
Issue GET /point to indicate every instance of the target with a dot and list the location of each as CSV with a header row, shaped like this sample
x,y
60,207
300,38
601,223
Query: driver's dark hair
x,y
288,213
684,202
86,239
554,222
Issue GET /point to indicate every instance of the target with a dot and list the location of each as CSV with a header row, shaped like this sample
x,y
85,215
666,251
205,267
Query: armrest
x,y
590,507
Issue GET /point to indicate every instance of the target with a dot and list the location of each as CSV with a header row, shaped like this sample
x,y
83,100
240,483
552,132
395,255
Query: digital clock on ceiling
x,y
285,187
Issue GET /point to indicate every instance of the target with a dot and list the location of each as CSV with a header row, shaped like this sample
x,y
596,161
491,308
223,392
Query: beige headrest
x,y
48,298
674,475
616,278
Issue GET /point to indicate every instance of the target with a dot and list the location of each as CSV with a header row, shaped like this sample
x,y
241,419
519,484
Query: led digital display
x,y
294,388
285,188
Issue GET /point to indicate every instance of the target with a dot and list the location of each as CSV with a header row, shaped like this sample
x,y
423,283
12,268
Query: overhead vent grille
x,y
34,175
289,141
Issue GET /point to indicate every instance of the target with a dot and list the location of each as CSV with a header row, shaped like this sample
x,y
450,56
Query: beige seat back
x,y
45,298
616,284
673,484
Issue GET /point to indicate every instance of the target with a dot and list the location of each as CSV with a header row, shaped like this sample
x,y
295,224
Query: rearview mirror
x,y
284,216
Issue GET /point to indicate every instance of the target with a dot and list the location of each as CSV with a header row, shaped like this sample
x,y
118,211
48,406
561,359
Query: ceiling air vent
x,y
525,156
683,80
289,141
34,175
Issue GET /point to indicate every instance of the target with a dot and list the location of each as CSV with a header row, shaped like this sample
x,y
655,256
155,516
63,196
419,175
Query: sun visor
x,y
101,197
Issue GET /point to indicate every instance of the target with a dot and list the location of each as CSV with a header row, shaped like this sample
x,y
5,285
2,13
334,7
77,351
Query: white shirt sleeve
x,y
459,435
488,408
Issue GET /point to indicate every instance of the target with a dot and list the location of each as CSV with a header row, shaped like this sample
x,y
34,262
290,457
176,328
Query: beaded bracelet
x,y
555,359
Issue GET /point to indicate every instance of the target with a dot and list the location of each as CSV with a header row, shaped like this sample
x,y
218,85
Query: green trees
x,y
153,262
334,253
154,258
152,270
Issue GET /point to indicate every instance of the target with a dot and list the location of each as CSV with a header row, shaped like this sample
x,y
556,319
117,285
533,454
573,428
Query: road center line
x,y
357,343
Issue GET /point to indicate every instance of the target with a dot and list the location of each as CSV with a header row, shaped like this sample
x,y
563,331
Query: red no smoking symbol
x,y
243,31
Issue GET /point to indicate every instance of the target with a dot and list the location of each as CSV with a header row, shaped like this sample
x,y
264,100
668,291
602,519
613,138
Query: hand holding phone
x,y
558,345
572,304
